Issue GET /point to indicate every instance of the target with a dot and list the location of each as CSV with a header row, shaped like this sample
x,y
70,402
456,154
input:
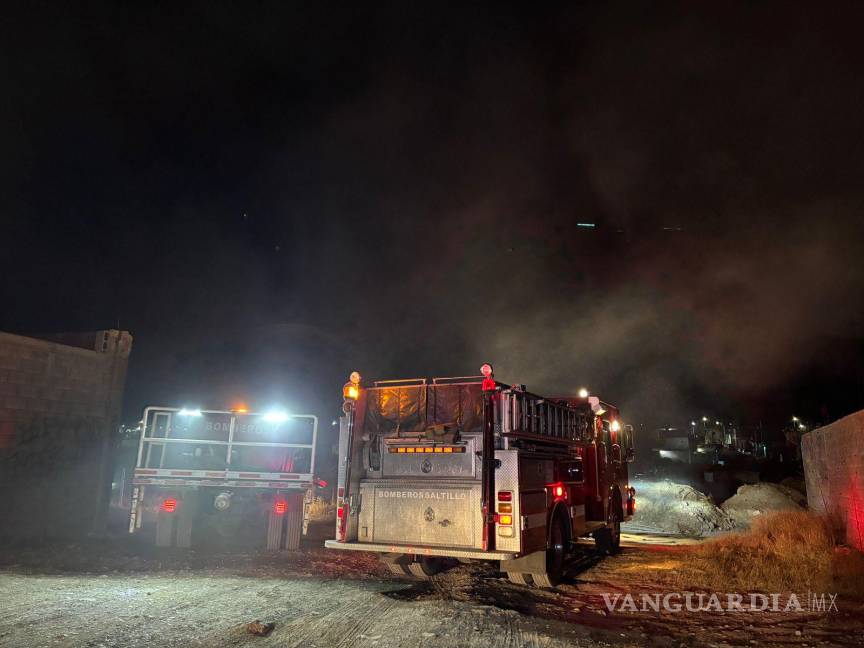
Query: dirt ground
x,y
116,593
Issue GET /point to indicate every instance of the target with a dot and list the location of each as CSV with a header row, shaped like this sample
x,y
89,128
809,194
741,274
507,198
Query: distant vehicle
x,y
471,468
201,472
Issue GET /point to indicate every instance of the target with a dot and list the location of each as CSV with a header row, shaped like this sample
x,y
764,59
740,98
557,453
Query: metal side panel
x,y
445,513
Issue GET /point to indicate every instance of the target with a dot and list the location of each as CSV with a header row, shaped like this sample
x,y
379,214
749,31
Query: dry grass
x,y
787,551
321,509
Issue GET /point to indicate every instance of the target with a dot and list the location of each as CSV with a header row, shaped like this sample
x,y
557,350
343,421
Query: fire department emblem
x,y
426,466
429,515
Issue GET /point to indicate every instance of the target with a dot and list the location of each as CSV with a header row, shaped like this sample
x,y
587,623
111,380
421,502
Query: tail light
x,y
558,490
322,483
505,496
280,506
169,505
340,523
506,520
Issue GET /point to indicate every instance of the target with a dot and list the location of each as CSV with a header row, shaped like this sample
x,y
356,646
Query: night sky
x,y
271,196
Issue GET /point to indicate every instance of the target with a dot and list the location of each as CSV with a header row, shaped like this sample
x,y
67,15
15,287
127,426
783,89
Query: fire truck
x,y
201,474
472,468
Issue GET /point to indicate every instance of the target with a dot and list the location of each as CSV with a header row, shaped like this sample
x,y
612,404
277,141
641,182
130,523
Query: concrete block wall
x,y
834,470
59,407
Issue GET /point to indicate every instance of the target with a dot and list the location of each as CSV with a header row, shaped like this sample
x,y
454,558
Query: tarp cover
x,y
392,410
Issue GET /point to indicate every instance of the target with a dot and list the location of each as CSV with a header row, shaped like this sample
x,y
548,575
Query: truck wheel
x,y
555,556
608,539
615,536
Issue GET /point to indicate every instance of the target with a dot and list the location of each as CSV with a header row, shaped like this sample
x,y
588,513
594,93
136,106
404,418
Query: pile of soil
x,y
754,499
677,508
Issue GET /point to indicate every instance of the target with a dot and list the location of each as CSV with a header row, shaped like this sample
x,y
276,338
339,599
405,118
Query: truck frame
x,y
203,470
474,469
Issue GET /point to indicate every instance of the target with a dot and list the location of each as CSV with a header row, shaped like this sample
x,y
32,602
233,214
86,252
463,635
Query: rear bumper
x,y
422,551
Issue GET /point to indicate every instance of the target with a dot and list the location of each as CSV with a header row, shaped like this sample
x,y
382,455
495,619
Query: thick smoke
x,y
402,195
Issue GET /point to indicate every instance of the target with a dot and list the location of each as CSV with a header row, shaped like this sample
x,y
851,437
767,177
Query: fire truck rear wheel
x,y
556,554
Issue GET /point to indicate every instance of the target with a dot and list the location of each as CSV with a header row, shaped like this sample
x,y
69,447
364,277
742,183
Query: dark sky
x,y
270,196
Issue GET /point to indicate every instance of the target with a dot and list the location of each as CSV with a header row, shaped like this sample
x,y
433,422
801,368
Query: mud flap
x,y
397,563
174,529
164,528
533,563
186,520
284,530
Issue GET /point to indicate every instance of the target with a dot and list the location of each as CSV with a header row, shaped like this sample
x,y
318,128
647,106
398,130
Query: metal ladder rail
x,y
534,415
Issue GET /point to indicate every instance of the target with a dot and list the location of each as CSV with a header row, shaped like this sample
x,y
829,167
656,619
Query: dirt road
x,y
117,595
316,597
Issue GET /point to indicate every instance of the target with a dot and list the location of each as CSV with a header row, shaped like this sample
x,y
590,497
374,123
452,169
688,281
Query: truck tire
x,y
608,539
556,554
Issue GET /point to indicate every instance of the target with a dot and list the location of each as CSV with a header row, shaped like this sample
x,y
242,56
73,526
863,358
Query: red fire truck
x,y
202,474
472,468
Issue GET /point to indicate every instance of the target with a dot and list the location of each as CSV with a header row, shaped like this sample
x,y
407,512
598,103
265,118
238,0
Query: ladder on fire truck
x,y
531,417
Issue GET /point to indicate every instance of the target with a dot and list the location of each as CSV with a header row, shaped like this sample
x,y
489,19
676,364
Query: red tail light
x,y
322,483
169,505
505,496
341,523
559,492
280,507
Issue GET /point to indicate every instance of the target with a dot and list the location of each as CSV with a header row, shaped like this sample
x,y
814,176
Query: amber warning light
x,y
351,391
